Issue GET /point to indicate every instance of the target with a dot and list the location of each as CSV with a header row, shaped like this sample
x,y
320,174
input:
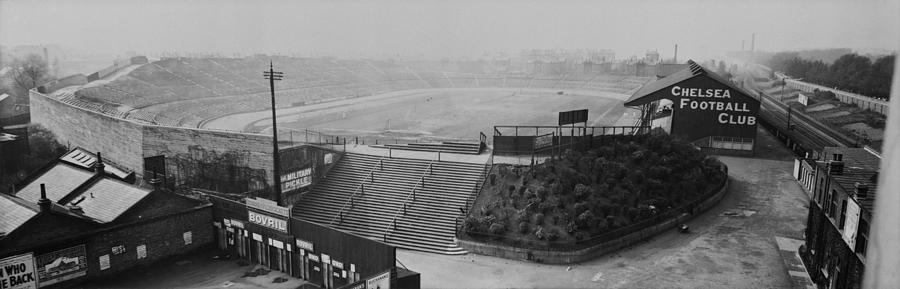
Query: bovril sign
x,y
718,100
267,221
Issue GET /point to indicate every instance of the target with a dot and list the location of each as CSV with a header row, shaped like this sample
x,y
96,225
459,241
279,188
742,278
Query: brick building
x,y
78,217
842,187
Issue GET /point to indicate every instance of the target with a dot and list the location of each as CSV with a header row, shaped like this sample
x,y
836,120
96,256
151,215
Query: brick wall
x,y
163,237
117,139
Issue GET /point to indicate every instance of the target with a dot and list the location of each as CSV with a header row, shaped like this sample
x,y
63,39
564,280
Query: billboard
x,y
703,107
573,116
61,265
851,221
380,281
296,180
17,272
803,99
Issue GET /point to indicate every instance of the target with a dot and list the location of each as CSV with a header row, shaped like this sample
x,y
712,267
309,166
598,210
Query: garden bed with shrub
x,y
583,198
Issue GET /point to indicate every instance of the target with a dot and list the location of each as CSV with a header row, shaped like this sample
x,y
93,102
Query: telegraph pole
x,y
272,76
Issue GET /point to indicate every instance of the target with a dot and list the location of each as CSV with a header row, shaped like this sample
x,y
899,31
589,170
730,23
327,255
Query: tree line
x,y
850,72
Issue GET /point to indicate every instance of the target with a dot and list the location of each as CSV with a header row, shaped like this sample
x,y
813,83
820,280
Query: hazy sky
x,y
448,28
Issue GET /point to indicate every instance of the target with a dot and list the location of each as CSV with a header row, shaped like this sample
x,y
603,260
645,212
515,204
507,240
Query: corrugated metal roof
x,y
14,214
107,199
60,180
641,95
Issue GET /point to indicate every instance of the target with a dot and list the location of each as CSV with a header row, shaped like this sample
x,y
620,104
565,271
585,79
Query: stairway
x,y
429,221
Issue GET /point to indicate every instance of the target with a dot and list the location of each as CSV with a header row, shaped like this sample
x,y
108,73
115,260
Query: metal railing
x,y
470,201
392,224
359,189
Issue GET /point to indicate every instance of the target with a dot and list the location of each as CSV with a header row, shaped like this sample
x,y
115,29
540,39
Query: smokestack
x,y
99,166
753,42
742,44
44,203
676,53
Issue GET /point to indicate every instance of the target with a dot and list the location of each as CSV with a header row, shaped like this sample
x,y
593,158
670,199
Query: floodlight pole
x,y
272,76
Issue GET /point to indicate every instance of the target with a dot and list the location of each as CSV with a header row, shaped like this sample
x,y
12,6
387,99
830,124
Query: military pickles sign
x,y
729,110
17,272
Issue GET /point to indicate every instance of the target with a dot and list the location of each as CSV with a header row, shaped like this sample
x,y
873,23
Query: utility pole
x,y
789,117
272,76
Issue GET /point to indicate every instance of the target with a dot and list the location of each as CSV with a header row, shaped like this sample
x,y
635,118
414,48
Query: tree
x,y
42,148
29,72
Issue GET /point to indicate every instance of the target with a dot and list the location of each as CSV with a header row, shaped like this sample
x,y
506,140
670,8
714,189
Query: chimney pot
x,y
44,203
99,166
862,191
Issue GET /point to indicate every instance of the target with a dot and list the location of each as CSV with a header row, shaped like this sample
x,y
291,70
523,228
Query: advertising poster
x,y
17,272
296,180
104,262
381,281
141,251
851,221
62,265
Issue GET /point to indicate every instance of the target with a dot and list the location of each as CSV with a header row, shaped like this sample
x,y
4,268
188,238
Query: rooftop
x,y
107,199
60,180
854,157
71,182
85,159
15,213
648,92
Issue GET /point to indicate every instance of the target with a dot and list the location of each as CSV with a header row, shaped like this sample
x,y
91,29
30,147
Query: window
x,y
843,215
862,236
833,204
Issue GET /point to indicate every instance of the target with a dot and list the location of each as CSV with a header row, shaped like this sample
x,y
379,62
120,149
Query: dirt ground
x,y
730,246
197,270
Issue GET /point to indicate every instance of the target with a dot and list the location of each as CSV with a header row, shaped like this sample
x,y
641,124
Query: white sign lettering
x,y
17,272
306,245
267,221
698,92
295,180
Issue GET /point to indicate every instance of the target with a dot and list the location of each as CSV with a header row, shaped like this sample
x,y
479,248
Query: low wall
x,y
581,255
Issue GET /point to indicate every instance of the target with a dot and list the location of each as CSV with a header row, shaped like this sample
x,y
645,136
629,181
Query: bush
x,y
523,227
586,220
538,219
549,204
539,233
582,235
497,228
552,234
571,227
